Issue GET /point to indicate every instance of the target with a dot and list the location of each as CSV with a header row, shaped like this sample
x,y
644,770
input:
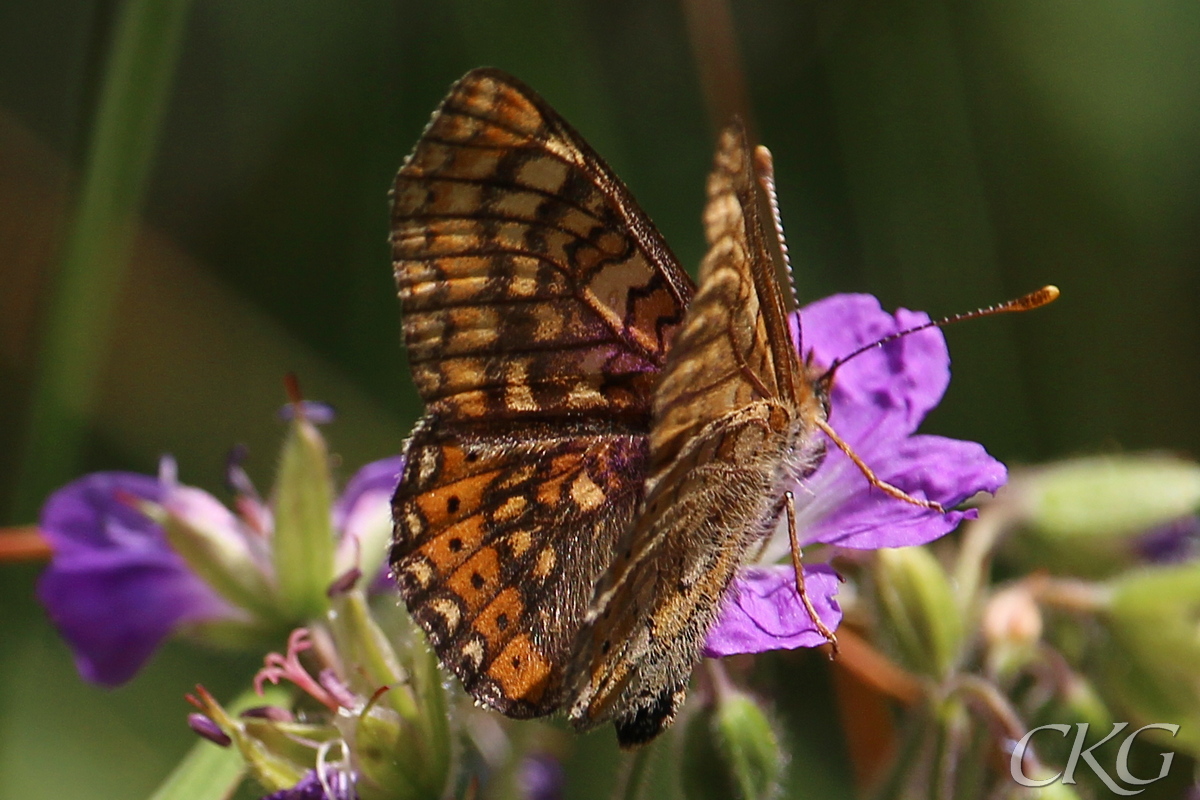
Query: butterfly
x,y
600,449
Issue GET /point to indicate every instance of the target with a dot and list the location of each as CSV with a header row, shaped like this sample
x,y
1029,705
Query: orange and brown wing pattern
x,y
530,282
499,541
725,435
539,304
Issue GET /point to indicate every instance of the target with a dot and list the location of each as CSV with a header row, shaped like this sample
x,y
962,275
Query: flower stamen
x,y
278,667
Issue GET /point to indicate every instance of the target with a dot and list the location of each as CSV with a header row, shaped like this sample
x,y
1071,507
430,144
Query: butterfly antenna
x,y
1043,296
764,168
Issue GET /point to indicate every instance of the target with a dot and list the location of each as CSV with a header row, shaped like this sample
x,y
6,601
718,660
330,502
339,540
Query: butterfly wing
x,y
728,432
538,305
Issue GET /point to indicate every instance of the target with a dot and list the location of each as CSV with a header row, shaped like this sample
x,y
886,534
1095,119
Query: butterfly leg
x,y
878,483
797,564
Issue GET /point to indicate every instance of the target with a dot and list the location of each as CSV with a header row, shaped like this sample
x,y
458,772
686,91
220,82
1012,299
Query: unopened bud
x,y
1088,517
919,610
1149,661
730,750
303,544
1012,627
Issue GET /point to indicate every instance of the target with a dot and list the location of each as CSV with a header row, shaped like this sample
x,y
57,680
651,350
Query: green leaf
x,y
134,94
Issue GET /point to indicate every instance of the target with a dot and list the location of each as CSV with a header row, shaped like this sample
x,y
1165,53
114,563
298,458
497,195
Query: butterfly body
x,y
734,427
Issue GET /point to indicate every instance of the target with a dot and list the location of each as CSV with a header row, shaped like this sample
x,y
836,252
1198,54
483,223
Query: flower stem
x,y
632,780
95,255
23,543
979,540
1069,594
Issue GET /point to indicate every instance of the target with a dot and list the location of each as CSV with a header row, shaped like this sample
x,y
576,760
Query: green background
x,y
940,155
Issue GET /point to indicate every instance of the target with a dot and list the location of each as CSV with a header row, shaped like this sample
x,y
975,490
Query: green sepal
x,y
221,559
392,758
303,545
920,614
731,750
269,768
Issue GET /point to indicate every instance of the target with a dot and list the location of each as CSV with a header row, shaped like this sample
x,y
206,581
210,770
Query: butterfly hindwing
x,y
498,542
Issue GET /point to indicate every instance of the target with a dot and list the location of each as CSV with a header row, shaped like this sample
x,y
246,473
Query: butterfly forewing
x,y
539,304
731,426
526,272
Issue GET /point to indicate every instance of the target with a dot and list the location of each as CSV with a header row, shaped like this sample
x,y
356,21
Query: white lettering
x,y
1016,761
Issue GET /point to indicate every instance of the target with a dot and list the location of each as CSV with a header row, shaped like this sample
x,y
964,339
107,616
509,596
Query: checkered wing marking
x,y
539,304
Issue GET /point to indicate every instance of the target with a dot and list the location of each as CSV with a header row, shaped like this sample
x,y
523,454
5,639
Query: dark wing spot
x,y
502,621
456,544
452,505
516,662
477,580
472,458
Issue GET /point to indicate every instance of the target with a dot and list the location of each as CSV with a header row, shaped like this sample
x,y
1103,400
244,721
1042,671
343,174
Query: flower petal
x,y
838,506
763,611
540,776
337,785
877,401
114,588
906,377
314,411
363,514
378,477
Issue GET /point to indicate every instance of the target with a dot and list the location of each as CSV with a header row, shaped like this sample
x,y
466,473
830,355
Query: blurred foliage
x,y
939,155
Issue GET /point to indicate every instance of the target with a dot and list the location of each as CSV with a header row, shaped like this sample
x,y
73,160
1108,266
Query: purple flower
x,y
1171,543
878,400
328,784
115,589
540,777
119,583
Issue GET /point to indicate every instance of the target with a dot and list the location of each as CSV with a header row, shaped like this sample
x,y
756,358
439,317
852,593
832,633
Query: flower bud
x,y
1076,700
1055,790
1084,513
400,741
918,609
303,544
206,535
1012,627
730,749
1149,662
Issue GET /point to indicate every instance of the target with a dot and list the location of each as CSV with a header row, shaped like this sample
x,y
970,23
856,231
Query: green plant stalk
x,y
207,772
95,256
